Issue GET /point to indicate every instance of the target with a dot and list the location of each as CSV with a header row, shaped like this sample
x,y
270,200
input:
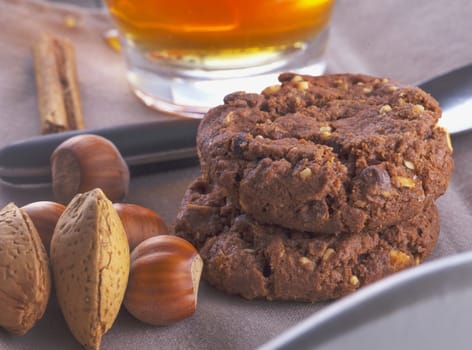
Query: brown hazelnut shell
x,y
85,162
164,279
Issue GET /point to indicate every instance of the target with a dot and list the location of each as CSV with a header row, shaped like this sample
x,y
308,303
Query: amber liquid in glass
x,y
199,31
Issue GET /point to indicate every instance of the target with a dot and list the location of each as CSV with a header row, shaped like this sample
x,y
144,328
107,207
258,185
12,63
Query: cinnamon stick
x,y
56,80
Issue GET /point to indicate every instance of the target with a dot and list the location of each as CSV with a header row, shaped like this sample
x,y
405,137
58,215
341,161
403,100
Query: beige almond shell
x,y
90,263
25,279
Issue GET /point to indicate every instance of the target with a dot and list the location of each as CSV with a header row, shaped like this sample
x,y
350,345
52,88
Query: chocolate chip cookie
x,y
329,154
258,260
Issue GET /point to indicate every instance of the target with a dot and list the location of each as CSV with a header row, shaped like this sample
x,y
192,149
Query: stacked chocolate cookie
x,y
316,186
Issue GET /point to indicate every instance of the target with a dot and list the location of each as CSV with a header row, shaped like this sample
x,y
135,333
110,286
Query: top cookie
x,y
328,154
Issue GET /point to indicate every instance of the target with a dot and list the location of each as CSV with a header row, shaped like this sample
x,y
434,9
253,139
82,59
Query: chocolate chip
x,y
235,98
254,100
314,210
239,144
241,99
286,77
374,175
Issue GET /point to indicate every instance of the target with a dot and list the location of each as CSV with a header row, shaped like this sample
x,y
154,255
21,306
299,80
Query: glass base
x,y
191,92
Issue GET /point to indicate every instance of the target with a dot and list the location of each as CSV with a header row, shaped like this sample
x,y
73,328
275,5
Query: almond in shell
x,y
90,263
25,280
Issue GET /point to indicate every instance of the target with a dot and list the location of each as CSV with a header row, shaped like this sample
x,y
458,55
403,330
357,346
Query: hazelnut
x,y
305,173
354,280
417,260
140,223
403,181
325,131
399,260
44,215
385,109
418,109
85,162
296,79
303,85
229,118
271,89
410,165
328,252
446,133
163,282
307,263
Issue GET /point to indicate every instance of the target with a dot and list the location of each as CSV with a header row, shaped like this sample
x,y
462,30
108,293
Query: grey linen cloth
x,y
405,40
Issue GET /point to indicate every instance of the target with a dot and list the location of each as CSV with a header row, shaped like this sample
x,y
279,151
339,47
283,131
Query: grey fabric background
x,y
406,40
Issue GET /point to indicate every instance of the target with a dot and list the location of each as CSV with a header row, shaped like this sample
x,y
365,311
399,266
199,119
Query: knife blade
x,y
453,90
144,144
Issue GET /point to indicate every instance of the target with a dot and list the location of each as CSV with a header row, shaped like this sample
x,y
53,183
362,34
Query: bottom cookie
x,y
254,260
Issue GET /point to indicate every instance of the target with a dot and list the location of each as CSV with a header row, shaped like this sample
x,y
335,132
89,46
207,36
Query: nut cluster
x,y
102,254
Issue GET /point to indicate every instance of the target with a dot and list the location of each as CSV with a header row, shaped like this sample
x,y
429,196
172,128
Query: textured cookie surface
x,y
257,260
330,154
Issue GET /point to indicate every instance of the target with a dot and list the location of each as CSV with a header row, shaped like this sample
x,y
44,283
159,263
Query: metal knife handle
x,y
27,162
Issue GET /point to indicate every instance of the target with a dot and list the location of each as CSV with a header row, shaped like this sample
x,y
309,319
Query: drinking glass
x,y
184,56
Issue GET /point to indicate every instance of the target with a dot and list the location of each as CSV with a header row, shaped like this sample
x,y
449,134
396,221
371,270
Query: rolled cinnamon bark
x,y
57,86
